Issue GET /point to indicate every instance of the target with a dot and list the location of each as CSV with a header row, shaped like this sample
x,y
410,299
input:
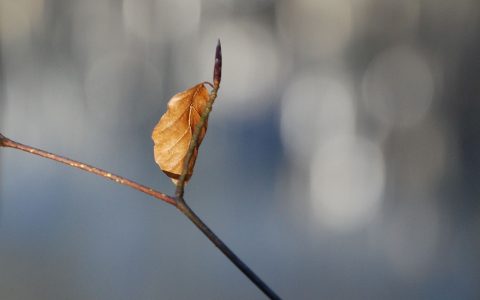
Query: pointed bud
x,y
217,71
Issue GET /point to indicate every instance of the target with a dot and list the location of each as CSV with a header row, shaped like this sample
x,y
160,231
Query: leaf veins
x,y
173,133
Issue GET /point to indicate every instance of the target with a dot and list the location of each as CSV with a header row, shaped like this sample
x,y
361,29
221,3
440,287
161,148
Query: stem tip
x,y
217,70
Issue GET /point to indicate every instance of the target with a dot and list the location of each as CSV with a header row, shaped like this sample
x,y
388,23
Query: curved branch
x,y
177,201
5,142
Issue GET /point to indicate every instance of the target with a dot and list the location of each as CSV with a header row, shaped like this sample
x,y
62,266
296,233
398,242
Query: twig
x,y
183,206
5,142
190,214
180,205
217,77
177,201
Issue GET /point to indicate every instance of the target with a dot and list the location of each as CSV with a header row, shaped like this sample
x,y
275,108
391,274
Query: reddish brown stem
x,y
177,201
217,77
217,70
5,142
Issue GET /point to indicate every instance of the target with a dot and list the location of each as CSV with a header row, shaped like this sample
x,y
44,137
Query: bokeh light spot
x,y
315,28
314,108
398,87
347,180
18,18
153,20
250,70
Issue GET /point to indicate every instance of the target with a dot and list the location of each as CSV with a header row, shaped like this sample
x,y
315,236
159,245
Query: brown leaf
x,y
173,133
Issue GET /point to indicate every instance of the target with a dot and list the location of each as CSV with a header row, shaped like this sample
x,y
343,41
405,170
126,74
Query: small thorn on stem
x,y
217,71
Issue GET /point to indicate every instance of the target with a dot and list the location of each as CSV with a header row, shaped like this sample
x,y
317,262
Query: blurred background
x,y
342,159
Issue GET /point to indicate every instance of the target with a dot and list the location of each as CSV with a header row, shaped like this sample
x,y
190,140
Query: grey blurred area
x,y
342,159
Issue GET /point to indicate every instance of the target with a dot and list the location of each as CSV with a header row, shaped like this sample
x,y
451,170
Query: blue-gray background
x,y
342,158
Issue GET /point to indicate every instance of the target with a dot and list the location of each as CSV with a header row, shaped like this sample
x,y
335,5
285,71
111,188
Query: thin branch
x,y
177,201
190,214
217,77
5,142
181,205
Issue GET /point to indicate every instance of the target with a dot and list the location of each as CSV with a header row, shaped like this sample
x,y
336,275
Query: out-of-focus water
x,y
341,162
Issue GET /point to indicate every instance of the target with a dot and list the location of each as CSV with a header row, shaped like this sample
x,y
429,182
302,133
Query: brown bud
x,y
217,71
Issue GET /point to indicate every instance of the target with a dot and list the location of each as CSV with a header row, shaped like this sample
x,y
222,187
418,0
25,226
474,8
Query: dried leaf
x,y
173,133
